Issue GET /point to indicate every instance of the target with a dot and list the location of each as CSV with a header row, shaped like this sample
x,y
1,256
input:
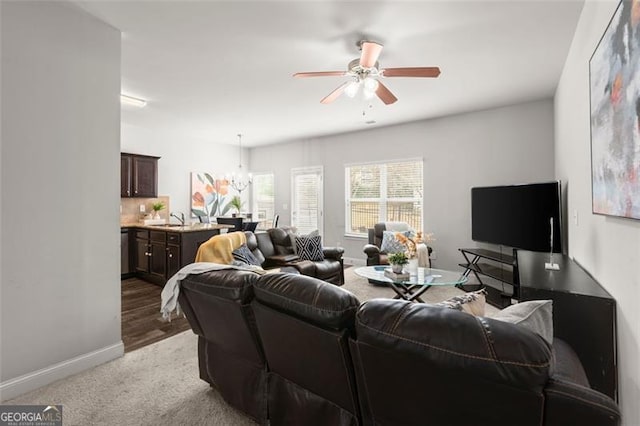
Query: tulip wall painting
x,y
209,195
614,77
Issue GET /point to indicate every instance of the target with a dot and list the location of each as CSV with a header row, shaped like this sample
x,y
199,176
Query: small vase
x,y
157,215
412,267
396,268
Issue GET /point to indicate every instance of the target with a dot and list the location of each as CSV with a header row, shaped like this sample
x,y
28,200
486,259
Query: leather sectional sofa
x,y
273,249
291,349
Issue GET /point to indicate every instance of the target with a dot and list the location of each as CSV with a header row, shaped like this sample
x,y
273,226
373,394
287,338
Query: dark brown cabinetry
x,y
158,255
138,175
125,253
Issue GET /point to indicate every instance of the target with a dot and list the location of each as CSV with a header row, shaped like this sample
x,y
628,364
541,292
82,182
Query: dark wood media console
x,y
584,313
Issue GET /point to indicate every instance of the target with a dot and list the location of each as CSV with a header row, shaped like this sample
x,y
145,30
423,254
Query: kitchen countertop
x,y
195,227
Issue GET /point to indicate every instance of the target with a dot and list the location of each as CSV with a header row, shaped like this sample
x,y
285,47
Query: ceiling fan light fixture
x,y
352,89
370,84
365,71
368,94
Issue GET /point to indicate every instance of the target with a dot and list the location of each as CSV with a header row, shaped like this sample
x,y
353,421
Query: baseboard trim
x,y
354,261
34,380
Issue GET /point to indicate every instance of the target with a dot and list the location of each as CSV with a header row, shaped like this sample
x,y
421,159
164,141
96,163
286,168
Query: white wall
x,y
508,145
609,248
60,286
180,157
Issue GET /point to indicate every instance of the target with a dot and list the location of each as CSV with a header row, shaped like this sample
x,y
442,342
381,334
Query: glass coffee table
x,y
411,289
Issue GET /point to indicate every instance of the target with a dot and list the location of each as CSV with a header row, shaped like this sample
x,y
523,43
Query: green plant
x,y
236,203
399,258
157,206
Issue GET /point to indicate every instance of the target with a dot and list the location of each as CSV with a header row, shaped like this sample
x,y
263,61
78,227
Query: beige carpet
x,y
159,384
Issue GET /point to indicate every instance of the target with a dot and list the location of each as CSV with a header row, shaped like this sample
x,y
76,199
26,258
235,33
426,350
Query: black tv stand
x,y
500,267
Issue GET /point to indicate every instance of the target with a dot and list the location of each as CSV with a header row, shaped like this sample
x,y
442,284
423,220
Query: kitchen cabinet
x,y
158,255
138,176
125,254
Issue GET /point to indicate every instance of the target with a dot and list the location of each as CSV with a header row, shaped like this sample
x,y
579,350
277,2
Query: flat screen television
x,y
517,216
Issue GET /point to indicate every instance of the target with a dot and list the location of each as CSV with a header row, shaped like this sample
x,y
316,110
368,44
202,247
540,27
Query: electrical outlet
x,y
142,208
575,217
285,207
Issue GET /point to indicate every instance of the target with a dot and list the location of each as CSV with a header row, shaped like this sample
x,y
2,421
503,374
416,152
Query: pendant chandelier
x,y
238,181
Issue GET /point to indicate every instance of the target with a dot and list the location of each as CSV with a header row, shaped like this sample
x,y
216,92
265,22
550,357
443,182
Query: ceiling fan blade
x,y
370,52
334,95
385,94
320,74
411,72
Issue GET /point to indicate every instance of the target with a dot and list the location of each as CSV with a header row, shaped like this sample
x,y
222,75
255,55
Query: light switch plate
x,y
142,209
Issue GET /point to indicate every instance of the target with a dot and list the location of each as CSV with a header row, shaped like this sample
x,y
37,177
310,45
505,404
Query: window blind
x,y
383,192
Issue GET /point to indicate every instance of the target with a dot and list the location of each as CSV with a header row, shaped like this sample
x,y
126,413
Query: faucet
x,y
181,218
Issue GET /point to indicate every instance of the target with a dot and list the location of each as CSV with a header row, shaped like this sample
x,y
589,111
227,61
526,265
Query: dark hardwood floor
x,y
142,323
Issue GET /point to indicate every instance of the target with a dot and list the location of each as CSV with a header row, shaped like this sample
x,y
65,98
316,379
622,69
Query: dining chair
x,y
235,221
250,226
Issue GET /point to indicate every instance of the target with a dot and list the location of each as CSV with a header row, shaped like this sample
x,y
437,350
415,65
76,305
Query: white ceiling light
x,y
130,100
352,89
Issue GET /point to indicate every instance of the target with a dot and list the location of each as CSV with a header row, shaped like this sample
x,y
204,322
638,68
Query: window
x,y
382,192
264,199
306,199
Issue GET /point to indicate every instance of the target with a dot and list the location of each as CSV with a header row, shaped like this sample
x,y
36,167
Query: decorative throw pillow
x,y
390,244
309,248
243,254
534,315
293,237
472,303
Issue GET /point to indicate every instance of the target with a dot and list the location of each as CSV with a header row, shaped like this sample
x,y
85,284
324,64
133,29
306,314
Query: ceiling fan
x,y
365,72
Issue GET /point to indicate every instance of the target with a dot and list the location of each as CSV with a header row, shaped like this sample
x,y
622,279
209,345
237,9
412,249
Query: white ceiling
x,y
210,70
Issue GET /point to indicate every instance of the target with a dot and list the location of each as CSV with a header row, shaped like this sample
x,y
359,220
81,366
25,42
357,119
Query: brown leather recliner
x,y
420,364
217,306
304,325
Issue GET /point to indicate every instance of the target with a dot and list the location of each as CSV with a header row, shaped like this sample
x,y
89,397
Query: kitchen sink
x,y
169,225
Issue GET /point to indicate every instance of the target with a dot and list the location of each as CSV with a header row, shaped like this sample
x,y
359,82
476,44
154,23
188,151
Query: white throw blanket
x,y
397,226
171,289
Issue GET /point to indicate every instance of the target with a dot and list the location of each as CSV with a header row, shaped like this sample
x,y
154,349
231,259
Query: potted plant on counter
x,y
156,209
397,261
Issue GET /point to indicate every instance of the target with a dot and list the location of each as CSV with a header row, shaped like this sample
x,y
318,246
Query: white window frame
x,y
318,170
254,201
382,200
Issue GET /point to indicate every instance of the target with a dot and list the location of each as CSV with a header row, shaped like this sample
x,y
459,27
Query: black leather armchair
x,y
419,364
372,249
304,326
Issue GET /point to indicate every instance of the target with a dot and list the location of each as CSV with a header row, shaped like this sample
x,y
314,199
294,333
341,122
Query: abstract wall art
x,y
614,74
209,195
